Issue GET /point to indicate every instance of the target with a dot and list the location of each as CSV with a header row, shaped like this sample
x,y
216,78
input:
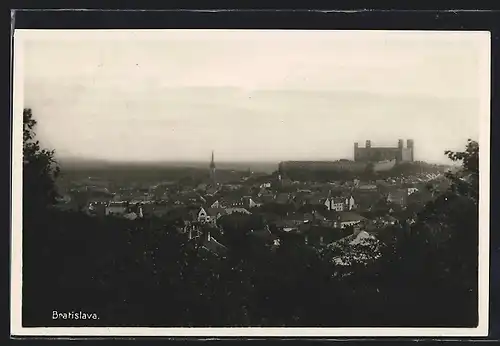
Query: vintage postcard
x,y
250,183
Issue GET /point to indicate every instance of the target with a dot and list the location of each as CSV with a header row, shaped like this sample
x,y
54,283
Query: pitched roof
x,y
282,198
330,215
338,199
264,233
286,224
331,234
390,218
236,210
347,216
215,211
209,200
398,193
232,197
295,217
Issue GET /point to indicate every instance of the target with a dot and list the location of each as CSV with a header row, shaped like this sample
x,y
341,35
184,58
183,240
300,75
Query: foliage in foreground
x,y
143,272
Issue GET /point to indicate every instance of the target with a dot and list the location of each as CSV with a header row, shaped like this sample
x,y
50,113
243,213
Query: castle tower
x,y
212,170
368,152
399,156
410,146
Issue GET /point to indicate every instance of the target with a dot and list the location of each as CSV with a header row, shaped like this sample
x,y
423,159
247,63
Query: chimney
x,y
368,144
400,144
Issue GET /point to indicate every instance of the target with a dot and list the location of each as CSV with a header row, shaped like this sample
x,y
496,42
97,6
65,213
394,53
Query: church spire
x,y
212,170
212,162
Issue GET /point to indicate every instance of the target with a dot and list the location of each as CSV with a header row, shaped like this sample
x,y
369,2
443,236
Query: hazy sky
x,y
176,95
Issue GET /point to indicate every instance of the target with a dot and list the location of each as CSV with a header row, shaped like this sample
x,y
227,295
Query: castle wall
x,y
384,166
407,154
378,154
322,165
374,154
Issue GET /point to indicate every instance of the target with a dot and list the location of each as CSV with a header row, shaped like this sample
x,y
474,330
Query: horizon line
x,y
277,161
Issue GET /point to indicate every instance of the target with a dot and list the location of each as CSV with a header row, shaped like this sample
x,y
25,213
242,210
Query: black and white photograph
x,y
250,183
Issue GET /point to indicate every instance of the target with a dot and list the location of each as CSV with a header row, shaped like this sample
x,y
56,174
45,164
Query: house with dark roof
x,y
210,201
302,198
295,218
231,201
367,187
398,197
100,198
264,235
320,236
211,191
156,210
365,200
343,219
340,203
229,211
116,209
318,197
270,218
211,245
389,220
203,235
251,202
347,219
282,198
97,208
210,215
287,225
267,198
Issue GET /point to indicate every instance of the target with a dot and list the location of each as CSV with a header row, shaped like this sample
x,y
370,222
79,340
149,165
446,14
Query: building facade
x,y
377,154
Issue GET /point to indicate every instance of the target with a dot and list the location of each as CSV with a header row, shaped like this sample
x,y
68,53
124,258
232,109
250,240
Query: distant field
x,y
71,164
125,173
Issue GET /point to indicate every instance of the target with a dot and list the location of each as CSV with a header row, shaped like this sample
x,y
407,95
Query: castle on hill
x,y
382,158
378,154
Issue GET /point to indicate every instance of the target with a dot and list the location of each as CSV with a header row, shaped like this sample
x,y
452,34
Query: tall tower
x,y
411,147
212,170
368,152
400,156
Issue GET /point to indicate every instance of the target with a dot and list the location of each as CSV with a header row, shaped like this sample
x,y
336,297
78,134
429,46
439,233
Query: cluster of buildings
x,y
309,212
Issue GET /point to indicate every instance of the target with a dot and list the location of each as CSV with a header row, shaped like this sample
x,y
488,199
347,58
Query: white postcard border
x,y
16,199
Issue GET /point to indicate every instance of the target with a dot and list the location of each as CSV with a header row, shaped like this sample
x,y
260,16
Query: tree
x,y
466,181
39,169
469,157
39,193
438,258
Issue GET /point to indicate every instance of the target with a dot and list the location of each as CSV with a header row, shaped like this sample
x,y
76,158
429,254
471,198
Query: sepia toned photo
x,y
250,183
